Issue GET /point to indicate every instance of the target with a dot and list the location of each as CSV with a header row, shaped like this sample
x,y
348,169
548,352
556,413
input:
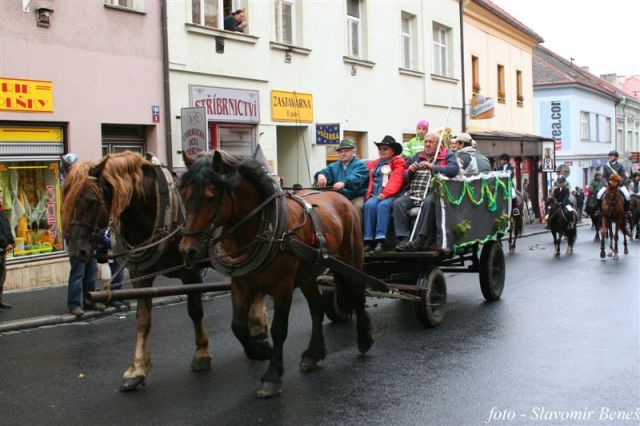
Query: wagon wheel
x,y
331,309
432,289
492,271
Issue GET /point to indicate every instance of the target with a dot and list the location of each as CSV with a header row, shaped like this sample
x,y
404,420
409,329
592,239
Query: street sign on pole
x,y
194,130
548,156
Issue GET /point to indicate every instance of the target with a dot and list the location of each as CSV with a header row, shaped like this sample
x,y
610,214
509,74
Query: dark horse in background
x,y
221,190
122,191
590,209
561,224
613,214
635,221
516,223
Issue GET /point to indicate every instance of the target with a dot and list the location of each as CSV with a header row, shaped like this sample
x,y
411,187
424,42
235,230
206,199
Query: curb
x,y
546,231
49,320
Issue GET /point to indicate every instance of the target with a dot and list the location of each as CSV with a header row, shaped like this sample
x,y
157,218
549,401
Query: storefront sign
x,y
548,156
599,162
635,157
554,123
328,134
481,108
194,130
227,105
31,134
26,95
291,106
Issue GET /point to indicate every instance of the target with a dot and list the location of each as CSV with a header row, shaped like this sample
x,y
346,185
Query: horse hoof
x,y
131,384
626,251
201,364
365,343
610,254
269,389
260,351
556,254
309,364
511,251
615,257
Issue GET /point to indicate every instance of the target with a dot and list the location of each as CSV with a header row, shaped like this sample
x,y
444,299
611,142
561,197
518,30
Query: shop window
x,y
30,196
239,139
358,137
501,92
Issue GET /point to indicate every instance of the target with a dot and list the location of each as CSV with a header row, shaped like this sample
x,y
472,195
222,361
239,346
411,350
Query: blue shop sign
x,y
328,134
598,162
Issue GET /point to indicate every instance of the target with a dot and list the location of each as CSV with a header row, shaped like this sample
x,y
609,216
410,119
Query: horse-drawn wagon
x,y
472,214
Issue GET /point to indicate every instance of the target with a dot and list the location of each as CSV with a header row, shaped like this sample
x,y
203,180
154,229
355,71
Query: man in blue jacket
x,y
349,176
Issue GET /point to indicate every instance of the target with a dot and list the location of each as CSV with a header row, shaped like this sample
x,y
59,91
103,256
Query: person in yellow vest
x,y
416,144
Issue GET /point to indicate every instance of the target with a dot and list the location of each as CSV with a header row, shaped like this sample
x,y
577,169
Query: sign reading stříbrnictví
x,y
225,105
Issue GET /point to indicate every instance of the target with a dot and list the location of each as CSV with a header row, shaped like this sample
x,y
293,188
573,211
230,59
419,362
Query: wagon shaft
x,y
149,292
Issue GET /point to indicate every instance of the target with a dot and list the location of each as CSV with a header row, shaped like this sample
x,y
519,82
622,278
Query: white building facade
x,y
309,72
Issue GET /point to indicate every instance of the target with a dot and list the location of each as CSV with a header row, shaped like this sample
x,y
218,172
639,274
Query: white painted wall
x,y
378,100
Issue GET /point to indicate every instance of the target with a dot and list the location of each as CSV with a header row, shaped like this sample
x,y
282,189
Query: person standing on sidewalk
x,y
103,248
6,244
82,275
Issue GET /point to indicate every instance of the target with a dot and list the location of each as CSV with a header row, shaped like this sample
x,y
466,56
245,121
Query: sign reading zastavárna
x,y
291,106
194,130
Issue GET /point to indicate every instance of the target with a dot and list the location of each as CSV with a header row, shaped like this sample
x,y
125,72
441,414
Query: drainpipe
x,y
165,75
464,111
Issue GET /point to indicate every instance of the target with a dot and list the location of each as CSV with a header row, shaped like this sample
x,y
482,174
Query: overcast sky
x,y
603,35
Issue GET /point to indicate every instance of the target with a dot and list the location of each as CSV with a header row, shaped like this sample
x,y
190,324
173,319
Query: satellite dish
x,y
564,170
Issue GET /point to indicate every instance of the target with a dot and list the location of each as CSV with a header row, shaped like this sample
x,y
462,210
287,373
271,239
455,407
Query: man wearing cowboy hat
x,y
349,176
614,168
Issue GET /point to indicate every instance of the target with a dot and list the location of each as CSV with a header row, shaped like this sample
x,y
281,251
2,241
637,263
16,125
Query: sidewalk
x,y
48,305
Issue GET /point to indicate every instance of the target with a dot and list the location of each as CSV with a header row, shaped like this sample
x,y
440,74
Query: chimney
x,y
609,78
586,68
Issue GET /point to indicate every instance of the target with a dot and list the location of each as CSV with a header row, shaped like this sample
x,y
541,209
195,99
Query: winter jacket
x,y
614,168
6,236
394,185
445,164
355,177
471,162
413,146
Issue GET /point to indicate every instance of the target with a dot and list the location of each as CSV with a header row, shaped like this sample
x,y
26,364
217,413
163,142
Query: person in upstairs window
x,y
236,21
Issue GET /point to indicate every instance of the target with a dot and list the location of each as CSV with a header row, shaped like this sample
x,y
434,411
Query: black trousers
x,y
402,220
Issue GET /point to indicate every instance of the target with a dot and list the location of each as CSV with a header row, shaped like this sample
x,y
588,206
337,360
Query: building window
x,y
407,37
137,5
354,30
520,95
501,92
285,21
120,138
440,50
475,75
585,126
211,13
606,134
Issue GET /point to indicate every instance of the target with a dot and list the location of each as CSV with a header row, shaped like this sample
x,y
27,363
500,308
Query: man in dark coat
x,y
6,244
613,167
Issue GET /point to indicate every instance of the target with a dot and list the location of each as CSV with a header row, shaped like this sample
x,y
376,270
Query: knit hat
x,y
346,144
423,123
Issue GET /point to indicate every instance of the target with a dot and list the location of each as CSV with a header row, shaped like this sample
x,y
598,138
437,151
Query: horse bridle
x,y
210,239
95,227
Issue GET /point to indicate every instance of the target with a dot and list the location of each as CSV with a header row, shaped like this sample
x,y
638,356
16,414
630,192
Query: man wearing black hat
x,y
349,175
614,168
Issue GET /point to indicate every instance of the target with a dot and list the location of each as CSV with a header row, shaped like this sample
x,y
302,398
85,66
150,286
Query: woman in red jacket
x,y
385,182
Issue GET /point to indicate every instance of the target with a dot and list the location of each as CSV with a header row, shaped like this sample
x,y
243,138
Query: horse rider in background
x,y
613,167
635,184
562,195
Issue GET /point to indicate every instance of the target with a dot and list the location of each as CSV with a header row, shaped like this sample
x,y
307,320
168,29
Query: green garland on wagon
x,y
439,189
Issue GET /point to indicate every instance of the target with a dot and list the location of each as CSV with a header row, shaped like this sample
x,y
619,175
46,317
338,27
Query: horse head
x,y
209,179
614,182
84,211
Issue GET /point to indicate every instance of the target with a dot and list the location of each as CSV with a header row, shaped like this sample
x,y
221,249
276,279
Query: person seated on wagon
x,y
415,144
614,168
419,169
562,195
385,182
349,175
470,160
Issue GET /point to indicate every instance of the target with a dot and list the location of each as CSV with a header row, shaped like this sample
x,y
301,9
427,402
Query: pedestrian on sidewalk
x,y
6,244
103,249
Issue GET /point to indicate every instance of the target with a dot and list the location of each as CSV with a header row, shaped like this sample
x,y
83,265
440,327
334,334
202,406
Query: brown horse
x,y
233,199
613,214
126,192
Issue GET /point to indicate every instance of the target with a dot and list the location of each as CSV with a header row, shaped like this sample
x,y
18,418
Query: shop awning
x,y
494,143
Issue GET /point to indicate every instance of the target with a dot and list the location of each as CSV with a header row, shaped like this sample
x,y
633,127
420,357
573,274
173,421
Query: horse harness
x,y
170,214
272,236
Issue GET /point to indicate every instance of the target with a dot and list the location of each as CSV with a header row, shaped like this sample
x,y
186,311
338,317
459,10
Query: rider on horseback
x,y
614,168
562,195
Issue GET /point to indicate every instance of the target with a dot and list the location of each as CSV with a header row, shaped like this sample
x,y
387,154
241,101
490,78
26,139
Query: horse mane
x,y
201,173
123,172
614,181
75,182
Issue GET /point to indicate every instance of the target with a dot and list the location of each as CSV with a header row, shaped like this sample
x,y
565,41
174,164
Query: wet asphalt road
x,y
564,337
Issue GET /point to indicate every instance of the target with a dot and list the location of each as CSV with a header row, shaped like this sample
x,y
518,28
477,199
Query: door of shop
x,y
236,138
